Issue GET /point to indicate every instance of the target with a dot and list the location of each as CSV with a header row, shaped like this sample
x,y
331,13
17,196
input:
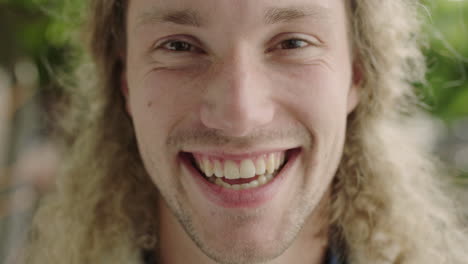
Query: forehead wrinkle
x,y
276,15
190,17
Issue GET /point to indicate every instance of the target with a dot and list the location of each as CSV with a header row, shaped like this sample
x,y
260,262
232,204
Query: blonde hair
x,y
388,204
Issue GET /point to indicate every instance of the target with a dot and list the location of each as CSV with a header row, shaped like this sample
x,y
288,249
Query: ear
x,y
124,91
355,88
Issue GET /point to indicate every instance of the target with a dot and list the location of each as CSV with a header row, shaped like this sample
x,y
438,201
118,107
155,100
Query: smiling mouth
x,y
240,174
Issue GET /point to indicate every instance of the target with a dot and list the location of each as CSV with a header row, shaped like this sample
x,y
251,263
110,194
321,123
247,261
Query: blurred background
x,y
34,49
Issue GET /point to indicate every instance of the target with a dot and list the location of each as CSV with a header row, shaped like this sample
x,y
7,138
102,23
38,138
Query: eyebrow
x,y
186,17
273,15
277,15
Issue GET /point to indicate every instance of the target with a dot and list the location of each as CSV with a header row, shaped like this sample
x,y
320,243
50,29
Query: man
x,y
222,131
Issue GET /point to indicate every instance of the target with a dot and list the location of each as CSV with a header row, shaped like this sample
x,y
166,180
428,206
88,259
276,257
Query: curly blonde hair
x,y
388,204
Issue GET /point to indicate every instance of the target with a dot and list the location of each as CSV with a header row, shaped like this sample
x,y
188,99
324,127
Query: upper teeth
x,y
235,169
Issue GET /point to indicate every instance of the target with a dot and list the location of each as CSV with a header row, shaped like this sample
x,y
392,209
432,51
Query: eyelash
x,y
193,48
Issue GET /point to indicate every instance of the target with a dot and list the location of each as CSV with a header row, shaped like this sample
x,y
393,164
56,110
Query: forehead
x,y
201,13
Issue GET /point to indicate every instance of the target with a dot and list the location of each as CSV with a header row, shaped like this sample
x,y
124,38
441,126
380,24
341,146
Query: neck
x,y
310,245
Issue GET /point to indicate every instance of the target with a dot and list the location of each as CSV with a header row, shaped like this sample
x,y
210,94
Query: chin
x,y
244,251
256,238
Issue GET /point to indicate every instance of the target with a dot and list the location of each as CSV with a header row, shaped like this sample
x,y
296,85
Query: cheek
x,y
319,101
316,97
317,94
163,96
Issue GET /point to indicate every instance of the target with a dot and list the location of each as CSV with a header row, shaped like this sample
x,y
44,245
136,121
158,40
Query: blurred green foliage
x,y
29,31
448,59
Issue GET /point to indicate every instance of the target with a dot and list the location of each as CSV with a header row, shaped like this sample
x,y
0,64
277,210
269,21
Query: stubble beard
x,y
247,255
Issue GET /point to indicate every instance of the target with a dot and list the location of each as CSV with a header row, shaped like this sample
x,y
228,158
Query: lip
x,y
247,198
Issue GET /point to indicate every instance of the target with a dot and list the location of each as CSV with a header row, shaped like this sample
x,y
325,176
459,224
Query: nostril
x,y
221,118
237,114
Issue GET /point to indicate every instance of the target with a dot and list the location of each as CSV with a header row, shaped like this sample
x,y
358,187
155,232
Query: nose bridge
x,y
237,76
237,99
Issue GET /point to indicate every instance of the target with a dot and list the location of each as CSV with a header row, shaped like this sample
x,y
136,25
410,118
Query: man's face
x,y
254,94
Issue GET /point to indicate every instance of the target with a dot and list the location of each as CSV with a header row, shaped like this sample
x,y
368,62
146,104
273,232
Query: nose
x,y
237,98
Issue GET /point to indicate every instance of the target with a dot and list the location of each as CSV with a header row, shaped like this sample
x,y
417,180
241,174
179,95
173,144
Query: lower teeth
x,y
262,180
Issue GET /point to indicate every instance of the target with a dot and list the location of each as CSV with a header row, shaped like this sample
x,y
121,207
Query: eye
x,y
293,44
179,46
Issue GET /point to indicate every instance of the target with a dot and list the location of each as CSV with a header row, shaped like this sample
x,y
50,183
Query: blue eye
x,y
293,44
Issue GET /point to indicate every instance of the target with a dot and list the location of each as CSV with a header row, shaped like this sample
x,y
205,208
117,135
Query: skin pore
x,y
236,80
